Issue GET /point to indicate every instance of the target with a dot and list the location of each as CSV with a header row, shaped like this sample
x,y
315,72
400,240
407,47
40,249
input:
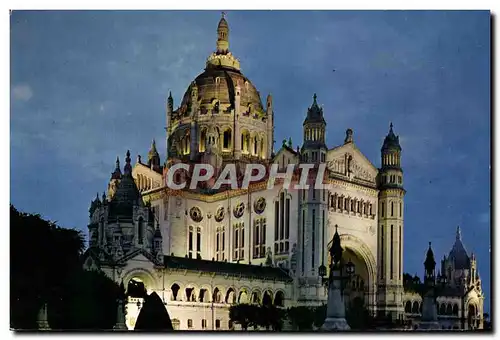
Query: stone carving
x,y
337,166
361,173
347,165
269,257
371,230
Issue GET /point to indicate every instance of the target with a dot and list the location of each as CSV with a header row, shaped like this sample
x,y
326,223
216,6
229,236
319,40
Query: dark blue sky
x,y
87,86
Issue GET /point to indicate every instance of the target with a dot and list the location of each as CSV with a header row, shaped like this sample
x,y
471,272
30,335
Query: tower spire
x,y
127,169
458,235
117,174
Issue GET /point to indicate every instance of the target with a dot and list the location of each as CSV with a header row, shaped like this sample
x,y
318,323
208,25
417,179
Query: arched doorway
x,y
136,293
356,251
136,288
472,317
357,288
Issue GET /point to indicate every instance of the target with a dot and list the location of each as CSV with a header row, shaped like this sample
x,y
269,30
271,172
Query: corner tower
x,y
314,147
313,207
390,229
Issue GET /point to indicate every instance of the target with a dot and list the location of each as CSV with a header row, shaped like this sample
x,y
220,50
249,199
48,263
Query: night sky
x,y
87,86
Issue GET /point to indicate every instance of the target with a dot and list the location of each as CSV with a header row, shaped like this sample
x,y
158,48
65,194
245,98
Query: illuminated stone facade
x,y
201,250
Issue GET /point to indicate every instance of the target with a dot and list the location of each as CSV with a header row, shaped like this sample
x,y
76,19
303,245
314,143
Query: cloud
x,y
22,92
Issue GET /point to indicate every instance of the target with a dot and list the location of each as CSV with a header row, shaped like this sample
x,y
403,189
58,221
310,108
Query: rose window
x,y
260,205
195,214
239,210
219,215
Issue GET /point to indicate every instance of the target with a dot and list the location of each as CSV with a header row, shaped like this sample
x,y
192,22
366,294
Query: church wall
x,y
188,306
176,227
363,227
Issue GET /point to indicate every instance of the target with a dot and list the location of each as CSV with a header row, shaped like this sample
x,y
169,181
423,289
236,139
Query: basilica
x,y
203,249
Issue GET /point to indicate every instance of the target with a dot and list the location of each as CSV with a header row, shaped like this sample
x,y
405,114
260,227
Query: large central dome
x,y
221,116
217,84
222,74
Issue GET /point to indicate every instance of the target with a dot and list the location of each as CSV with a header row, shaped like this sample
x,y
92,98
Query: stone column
x,y
120,318
335,308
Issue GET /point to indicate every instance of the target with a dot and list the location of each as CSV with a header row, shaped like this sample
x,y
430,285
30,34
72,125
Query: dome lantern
x,y
223,36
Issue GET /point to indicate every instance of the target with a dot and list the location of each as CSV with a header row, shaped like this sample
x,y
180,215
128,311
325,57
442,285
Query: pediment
x,y
348,161
285,150
140,256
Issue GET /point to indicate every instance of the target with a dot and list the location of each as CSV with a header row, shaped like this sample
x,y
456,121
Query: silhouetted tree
x,y
301,317
246,315
42,258
153,316
46,268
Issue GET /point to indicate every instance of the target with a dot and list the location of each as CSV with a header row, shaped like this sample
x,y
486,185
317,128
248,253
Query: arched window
x,y
243,297
216,296
230,296
190,295
226,144
190,242
279,299
408,307
455,309
245,141
449,309
176,324
198,243
442,309
255,145
203,140
267,300
175,290
203,295
255,297
415,308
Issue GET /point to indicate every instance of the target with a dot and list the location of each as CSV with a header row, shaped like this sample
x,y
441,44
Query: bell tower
x,y
390,229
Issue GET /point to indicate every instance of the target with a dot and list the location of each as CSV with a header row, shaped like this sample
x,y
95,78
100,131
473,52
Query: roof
x,y
224,90
236,269
126,195
314,113
391,141
458,254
